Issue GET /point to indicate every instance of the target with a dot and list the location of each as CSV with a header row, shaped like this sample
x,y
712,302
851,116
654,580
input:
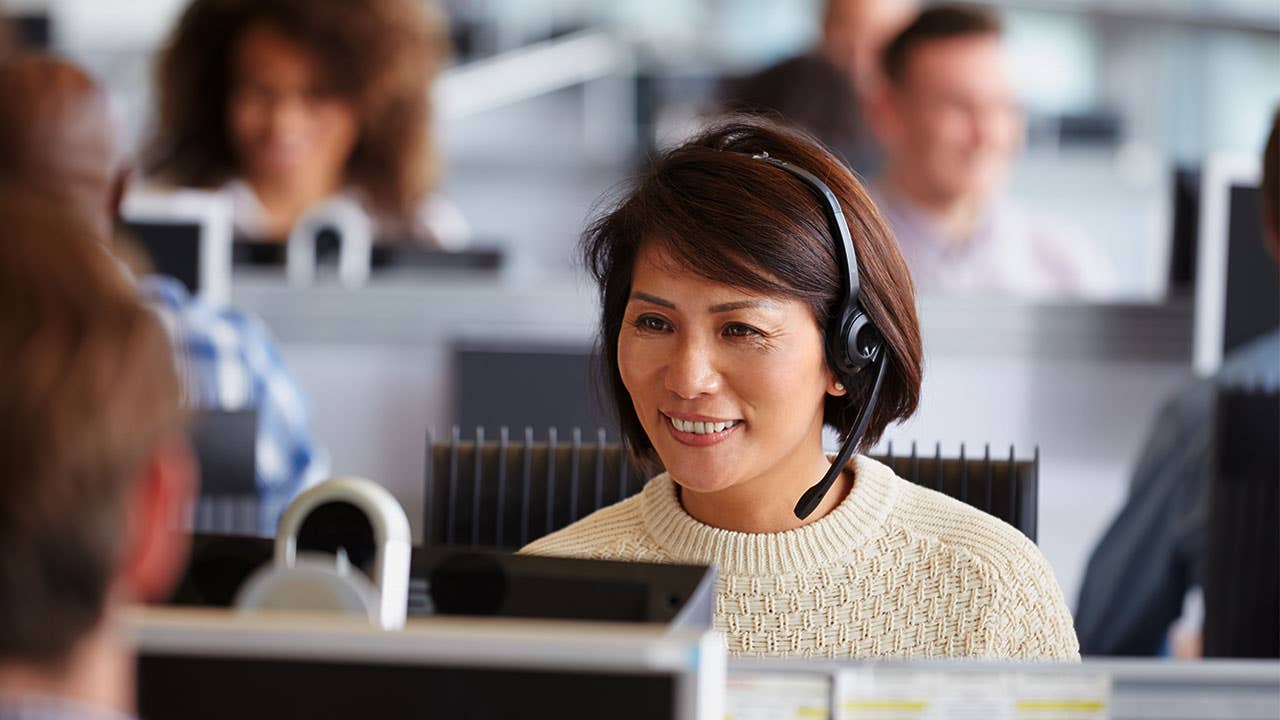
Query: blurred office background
x,y
1119,95
549,103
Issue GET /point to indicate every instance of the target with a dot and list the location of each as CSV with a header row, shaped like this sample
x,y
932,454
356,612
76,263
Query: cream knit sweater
x,y
894,570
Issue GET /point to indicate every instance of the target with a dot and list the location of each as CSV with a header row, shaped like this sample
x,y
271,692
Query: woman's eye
x,y
651,323
740,330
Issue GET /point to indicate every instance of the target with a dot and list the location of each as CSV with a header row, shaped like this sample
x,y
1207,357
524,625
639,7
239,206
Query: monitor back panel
x,y
1253,280
195,688
173,248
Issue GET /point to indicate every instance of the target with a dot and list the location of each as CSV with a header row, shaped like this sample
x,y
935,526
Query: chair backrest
x,y
225,443
1005,487
1242,546
516,490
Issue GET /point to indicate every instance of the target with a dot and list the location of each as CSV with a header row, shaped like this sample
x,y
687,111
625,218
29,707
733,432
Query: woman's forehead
x,y
657,272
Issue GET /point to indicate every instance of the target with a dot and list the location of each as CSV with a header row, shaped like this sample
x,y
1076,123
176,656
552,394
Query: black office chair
x,y
1242,544
516,490
225,443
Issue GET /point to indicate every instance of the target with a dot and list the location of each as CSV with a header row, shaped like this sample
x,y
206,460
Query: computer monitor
x,y
492,388
1183,230
187,235
1237,281
387,254
225,442
196,664
457,581
34,29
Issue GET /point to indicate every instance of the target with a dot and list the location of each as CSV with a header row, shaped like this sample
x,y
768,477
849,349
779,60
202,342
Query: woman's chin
x,y
702,477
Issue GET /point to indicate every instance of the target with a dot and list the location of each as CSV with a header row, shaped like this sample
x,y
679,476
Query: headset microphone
x,y
852,341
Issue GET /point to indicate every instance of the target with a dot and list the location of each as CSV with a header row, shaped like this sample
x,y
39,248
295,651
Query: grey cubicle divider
x,y
517,489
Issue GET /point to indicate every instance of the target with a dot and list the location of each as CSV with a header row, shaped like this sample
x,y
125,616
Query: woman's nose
x,y
692,371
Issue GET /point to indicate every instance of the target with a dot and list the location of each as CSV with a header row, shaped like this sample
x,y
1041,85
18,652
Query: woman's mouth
x,y
700,433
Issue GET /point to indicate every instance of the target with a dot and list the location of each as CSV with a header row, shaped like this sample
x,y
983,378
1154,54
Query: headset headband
x,y
835,219
849,325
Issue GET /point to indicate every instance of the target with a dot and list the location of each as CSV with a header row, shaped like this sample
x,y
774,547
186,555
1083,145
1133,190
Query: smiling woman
x,y
729,389
719,273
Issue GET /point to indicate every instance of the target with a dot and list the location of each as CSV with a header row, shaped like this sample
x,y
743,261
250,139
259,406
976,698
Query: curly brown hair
x,y
382,55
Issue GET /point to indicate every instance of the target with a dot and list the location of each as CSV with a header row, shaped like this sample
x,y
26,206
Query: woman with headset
x,y
752,294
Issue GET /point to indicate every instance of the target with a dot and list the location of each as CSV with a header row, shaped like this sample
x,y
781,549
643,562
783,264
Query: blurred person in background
x,y
96,469
951,126
823,90
1152,554
286,104
58,139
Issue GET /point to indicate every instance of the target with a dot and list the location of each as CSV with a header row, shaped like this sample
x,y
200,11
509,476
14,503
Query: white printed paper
x,y
777,696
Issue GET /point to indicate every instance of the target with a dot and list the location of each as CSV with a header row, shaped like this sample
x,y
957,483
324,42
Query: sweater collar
x,y
854,521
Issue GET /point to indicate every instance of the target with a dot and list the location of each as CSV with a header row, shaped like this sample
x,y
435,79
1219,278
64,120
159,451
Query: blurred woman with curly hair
x,y
288,103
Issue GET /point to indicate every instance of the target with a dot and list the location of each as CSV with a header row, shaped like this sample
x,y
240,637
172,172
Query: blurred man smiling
x,y
951,126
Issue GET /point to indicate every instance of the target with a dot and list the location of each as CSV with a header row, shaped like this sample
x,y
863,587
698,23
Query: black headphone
x,y
852,341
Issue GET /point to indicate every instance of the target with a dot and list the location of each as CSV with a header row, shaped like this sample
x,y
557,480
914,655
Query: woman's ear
x,y
836,388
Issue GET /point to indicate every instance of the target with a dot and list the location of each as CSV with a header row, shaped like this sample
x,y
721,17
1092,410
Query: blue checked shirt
x,y
228,361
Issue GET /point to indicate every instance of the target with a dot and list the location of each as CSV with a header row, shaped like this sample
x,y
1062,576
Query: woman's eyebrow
x,y
719,308
654,299
740,305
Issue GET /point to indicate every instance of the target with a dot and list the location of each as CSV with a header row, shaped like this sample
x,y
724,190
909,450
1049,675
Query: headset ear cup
x,y
861,341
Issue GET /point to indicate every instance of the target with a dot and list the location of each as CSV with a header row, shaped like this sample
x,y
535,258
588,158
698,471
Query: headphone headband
x,y
835,219
852,341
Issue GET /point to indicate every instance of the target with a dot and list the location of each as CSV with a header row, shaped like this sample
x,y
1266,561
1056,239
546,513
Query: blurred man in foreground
x,y
96,470
57,138
951,126
824,90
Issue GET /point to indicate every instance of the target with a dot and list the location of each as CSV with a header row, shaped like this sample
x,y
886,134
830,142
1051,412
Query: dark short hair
x,y
736,220
380,54
89,392
940,22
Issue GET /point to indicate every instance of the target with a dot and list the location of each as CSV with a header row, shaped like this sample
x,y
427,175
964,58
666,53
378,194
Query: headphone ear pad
x,y
855,344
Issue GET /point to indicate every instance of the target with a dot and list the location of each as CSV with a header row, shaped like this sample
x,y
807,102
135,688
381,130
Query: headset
x,y
852,341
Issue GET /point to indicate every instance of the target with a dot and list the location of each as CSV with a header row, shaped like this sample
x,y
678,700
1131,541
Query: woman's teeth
x,y
701,428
